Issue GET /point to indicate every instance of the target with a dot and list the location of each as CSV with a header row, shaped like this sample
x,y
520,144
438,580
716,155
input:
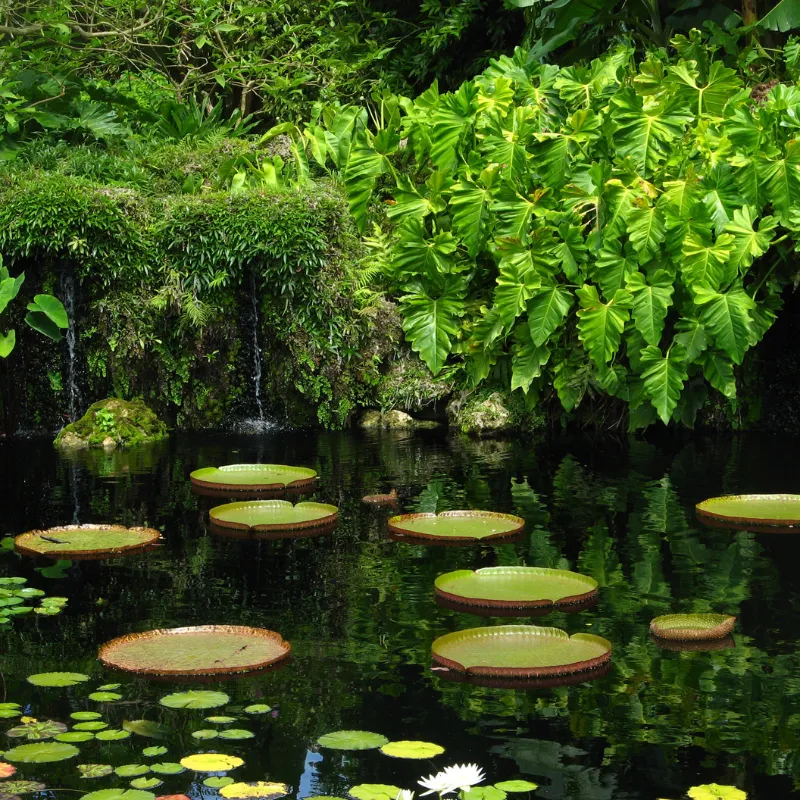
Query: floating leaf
x,y
146,783
714,791
516,786
236,733
75,737
57,679
257,708
195,699
150,752
205,734
108,687
261,789
220,720
173,797
411,749
685,627
95,770
105,697
218,783
10,710
167,768
211,762
465,526
119,794
36,731
112,735
264,515
132,770
235,477
41,753
94,725
21,787
352,740
146,728
86,716
374,791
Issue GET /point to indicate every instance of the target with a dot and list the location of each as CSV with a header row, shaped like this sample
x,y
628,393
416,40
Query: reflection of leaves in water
x,y
56,571
438,496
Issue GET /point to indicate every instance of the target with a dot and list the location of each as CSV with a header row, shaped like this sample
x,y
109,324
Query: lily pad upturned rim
x,y
719,626
584,665
325,519
397,525
695,645
106,651
25,542
706,512
202,479
490,572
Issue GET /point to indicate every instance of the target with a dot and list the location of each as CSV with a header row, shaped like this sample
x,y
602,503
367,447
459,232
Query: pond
x,y
359,611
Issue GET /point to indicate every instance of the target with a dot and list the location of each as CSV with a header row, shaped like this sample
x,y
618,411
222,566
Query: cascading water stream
x,y
256,349
73,390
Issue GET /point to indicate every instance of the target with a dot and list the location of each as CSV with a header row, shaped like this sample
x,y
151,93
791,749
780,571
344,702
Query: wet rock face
x,y
113,423
394,420
487,416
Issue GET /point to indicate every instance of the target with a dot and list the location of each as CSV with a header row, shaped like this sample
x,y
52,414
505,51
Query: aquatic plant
x,y
779,513
457,526
86,541
14,595
273,515
691,627
235,478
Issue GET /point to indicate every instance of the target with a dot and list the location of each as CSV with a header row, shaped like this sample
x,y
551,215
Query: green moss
x,y
113,423
493,412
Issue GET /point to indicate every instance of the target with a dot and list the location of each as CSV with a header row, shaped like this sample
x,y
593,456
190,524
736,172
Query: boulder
x,y
113,423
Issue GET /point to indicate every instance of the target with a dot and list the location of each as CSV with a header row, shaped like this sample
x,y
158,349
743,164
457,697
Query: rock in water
x,y
381,499
113,423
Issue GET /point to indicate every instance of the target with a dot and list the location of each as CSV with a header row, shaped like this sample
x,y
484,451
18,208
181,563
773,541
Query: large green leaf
x,y
516,284
785,16
718,371
470,206
781,179
547,311
646,229
726,317
707,262
416,254
651,302
364,165
692,336
645,131
7,343
450,123
748,243
705,97
527,362
430,322
612,267
663,378
600,325
9,289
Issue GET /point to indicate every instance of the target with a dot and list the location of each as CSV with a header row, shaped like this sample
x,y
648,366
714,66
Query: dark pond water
x,y
360,614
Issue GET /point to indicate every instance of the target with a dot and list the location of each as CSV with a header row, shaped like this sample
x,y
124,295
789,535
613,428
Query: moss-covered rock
x,y
490,412
408,384
113,423
394,420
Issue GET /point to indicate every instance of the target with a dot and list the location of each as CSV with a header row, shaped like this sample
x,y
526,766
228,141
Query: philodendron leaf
x,y
600,324
431,321
651,302
706,262
646,229
663,377
726,317
547,311
748,243
7,343
516,285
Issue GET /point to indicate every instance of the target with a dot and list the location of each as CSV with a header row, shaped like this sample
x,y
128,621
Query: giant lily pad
x,y
251,478
520,651
516,587
779,513
211,762
203,650
273,515
685,627
86,541
195,699
261,789
41,753
352,740
457,526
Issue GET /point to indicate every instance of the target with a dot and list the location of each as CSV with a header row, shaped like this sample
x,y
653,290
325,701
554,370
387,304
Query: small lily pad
x,y
236,733
374,791
41,753
218,783
108,687
167,768
258,708
206,733
147,728
59,679
352,740
211,762
21,787
36,731
105,697
112,735
93,725
132,770
85,716
220,720
261,789
411,749
74,737
95,770
516,786
151,752
119,794
146,783
195,699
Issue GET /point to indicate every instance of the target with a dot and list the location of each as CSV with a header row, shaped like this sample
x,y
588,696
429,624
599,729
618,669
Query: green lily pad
x,y
374,791
95,770
195,699
21,787
10,601
211,762
258,708
464,526
261,790
220,720
167,768
146,728
132,770
47,611
519,587
692,626
59,679
119,794
252,477
520,650
218,783
74,737
36,731
236,733
105,697
516,786
352,740
151,752
10,710
266,515
715,791
29,591
94,725
86,541
13,581
146,783
41,753
111,735
206,733
108,687
757,510
411,749
85,716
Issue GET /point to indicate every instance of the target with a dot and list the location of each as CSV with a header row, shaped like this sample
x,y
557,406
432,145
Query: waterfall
x,y
73,390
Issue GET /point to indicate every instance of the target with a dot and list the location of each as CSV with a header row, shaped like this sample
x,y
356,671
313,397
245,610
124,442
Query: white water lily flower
x,y
405,794
464,776
439,784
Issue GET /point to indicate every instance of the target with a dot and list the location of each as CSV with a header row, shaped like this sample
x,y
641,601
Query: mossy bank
x,y
113,423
